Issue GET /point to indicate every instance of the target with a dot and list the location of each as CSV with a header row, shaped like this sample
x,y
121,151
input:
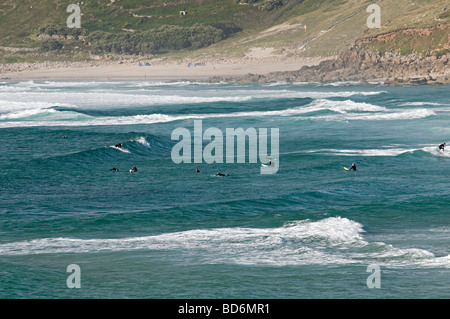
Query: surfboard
x,y
125,150
347,169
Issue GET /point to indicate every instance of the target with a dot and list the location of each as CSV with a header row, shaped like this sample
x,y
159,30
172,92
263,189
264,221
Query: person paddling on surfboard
x,y
134,169
220,174
442,146
270,164
119,145
353,168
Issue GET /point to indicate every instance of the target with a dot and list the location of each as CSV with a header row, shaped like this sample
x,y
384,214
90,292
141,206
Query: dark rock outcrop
x,y
360,64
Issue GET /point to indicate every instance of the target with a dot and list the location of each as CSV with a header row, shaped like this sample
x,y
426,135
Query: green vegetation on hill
x,y
155,40
227,27
20,21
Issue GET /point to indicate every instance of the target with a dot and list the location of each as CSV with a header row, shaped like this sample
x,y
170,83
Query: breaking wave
x,y
333,240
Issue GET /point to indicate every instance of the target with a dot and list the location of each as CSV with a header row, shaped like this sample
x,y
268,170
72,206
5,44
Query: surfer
x,y
270,164
114,169
220,174
442,146
134,169
197,170
353,168
119,145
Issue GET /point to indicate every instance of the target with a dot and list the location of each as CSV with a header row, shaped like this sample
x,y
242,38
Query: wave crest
x,y
333,240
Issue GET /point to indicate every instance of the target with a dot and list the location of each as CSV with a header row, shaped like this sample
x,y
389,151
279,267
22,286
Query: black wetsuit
x,y
353,168
114,169
441,147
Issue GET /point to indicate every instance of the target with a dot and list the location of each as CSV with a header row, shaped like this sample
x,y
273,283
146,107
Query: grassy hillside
x,y
335,25
21,20
331,25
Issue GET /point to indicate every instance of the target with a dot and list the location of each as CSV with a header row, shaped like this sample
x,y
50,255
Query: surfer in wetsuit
x,y
353,168
134,169
114,169
119,145
197,170
441,147
220,174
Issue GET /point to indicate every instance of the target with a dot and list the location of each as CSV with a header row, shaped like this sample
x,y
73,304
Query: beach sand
x,y
101,71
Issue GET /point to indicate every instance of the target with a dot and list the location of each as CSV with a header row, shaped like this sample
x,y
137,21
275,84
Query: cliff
x,y
365,61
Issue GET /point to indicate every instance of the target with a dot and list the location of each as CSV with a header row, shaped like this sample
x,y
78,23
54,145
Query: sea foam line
x,y
113,97
388,152
341,107
333,240
344,110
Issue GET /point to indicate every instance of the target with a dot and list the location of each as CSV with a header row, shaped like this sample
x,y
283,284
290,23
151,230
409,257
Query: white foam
x,y
26,113
76,119
327,231
143,141
364,152
112,99
271,84
332,240
317,105
346,106
171,83
392,114
341,107
310,94
342,83
420,104
386,151
344,110
434,150
101,95
14,106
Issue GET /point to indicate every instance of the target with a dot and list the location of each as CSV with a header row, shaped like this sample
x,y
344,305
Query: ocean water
x,y
312,230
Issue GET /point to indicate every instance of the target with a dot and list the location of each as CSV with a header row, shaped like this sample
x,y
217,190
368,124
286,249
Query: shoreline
x,y
391,69
142,71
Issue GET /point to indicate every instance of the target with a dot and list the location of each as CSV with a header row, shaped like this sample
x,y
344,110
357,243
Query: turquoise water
x,y
309,231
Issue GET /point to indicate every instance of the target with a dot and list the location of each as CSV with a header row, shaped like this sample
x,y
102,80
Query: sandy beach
x,y
145,70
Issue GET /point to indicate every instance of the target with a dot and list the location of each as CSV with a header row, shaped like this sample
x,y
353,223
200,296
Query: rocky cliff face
x,y
361,63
